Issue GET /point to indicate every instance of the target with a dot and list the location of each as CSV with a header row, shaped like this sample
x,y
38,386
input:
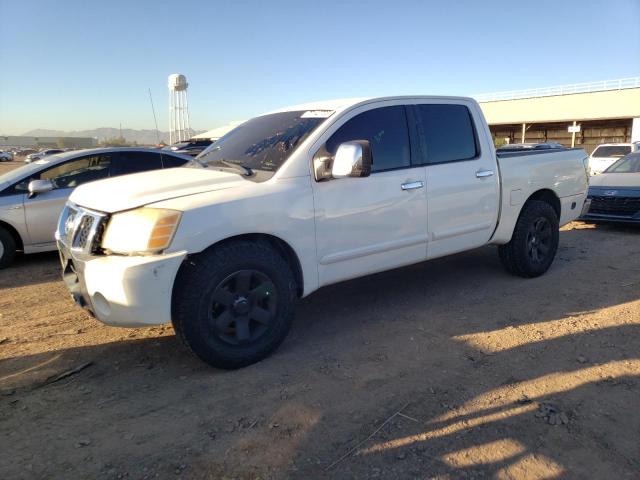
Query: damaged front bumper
x,y
119,290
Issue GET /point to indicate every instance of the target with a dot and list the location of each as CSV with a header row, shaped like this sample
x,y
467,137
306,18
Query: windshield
x,y
628,164
611,151
263,143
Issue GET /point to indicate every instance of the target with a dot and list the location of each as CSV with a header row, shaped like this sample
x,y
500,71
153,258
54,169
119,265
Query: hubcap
x,y
539,240
243,306
1,249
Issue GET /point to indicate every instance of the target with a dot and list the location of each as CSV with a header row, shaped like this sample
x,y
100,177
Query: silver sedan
x,y
32,196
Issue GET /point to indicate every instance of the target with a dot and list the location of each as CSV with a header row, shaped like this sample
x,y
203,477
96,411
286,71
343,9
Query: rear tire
x,y
7,248
534,243
233,304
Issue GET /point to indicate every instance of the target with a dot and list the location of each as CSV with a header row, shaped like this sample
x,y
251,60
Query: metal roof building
x,y
599,112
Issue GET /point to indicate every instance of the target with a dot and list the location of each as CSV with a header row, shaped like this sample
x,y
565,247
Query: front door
x,y
42,210
371,224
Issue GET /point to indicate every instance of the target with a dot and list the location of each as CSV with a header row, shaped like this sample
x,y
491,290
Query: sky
x,y
78,64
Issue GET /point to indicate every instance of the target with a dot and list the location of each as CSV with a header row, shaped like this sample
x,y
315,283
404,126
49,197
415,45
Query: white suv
x,y
607,154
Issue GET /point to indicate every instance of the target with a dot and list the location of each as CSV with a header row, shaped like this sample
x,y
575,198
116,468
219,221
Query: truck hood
x,y
615,180
131,191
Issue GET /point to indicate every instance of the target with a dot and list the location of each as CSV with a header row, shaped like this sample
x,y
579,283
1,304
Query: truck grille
x,y
623,206
81,229
82,235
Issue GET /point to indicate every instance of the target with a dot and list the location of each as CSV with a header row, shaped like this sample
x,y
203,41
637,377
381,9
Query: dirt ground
x,y
448,369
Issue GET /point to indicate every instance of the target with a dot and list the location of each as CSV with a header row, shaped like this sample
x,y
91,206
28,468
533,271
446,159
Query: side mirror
x,y
39,186
352,159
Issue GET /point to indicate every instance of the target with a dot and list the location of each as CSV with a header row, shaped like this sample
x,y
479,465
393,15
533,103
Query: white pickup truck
x,y
304,197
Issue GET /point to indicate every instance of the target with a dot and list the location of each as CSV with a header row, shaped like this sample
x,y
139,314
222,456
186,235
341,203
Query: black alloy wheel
x,y
232,304
539,240
243,306
534,242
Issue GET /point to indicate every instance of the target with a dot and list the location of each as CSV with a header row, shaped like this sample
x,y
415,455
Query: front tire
x,y
534,243
7,248
233,304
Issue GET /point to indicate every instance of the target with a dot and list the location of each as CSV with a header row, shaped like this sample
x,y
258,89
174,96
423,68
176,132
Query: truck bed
x,y
524,153
524,173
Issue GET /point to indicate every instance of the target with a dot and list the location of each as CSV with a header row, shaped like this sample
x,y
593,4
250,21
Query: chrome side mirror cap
x,y
39,186
352,159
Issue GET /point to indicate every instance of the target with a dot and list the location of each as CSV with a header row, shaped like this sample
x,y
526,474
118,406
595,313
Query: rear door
x,y
463,188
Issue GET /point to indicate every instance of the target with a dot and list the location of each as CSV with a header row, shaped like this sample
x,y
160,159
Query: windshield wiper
x,y
236,166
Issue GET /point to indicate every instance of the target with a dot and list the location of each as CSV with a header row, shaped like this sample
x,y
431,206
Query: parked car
x,y
514,147
191,147
41,154
5,156
32,196
23,152
304,197
607,154
614,196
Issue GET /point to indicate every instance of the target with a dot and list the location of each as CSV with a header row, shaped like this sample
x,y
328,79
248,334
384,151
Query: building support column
x,y
573,136
524,130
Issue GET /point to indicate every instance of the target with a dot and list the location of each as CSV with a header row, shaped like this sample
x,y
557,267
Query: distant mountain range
x,y
143,137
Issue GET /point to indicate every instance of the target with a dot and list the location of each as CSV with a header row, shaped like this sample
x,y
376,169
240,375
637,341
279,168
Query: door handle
x,y
412,185
484,173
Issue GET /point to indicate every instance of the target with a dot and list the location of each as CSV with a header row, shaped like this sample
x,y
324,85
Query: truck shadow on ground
x,y
31,270
446,368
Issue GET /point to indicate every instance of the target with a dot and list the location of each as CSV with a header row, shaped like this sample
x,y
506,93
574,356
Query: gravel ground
x,y
447,369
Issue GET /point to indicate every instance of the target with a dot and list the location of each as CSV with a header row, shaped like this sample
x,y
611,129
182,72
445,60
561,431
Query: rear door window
x,y
445,133
386,130
134,162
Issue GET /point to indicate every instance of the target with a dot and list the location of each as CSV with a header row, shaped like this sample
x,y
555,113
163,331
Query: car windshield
x,y
611,151
627,164
262,143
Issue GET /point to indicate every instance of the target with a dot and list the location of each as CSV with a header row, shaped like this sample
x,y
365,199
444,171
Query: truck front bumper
x,y
122,291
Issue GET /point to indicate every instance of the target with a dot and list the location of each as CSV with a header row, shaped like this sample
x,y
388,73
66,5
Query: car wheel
x,y
7,248
233,304
534,243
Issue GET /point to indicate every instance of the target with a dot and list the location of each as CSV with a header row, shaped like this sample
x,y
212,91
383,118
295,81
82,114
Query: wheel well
x,y
282,247
547,196
14,233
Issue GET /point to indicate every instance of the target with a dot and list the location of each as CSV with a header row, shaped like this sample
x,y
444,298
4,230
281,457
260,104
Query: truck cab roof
x,y
341,104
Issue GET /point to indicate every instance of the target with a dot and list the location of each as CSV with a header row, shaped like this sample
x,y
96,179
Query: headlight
x,y
144,230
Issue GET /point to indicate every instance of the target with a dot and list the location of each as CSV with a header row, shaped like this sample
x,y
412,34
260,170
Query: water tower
x,y
179,128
